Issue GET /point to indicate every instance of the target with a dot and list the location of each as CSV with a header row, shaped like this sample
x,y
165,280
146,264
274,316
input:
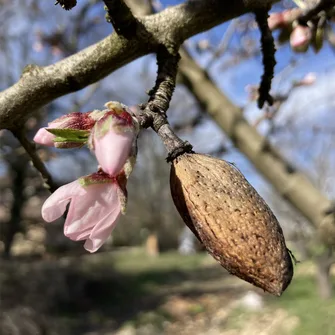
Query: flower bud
x,y
307,80
112,138
232,221
69,131
300,38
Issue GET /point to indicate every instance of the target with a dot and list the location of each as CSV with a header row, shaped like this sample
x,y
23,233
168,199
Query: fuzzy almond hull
x,y
231,219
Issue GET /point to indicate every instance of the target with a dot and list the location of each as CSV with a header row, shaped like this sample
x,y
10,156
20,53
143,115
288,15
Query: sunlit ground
x,y
126,292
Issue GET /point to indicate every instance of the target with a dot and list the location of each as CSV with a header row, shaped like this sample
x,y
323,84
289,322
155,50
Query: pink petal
x,y
55,205
113,150
102,231
87,210
44,137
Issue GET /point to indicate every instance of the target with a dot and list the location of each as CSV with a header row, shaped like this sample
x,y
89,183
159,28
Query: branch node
x,y
185,147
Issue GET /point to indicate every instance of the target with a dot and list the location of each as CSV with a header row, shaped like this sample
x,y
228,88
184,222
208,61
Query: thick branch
x,y
288,181
39,86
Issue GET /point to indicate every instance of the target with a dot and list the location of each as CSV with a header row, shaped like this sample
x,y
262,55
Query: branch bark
x,y
40,85
289,182
154,112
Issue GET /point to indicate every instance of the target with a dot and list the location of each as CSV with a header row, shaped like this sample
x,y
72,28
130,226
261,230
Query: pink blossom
x,y
96,202
300,38
276,20
112,138
308,80
283,19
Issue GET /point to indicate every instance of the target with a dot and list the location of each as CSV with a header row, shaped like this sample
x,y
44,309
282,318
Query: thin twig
x,y
121,17
154,112
37,162
226,38
269,61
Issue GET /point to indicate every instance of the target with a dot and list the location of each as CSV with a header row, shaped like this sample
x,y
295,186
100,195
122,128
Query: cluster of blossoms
x,y
300,35
97,200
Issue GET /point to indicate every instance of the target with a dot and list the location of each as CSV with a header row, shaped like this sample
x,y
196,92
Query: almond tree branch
x,y
40,85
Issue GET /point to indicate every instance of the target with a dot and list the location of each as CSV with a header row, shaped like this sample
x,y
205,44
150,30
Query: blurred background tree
x,y
218,74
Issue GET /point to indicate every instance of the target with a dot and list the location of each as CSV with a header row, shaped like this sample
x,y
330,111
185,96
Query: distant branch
x,y
37,162
288,181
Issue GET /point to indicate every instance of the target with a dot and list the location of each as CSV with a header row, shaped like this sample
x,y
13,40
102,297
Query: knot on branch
x,y
184,147
160,95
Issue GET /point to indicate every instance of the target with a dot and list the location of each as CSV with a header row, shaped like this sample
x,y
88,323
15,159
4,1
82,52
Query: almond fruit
x,y
232,220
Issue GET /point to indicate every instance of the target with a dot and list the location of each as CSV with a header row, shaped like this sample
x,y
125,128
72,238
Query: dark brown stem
x,y
323,5
66,4
121,17
154,112
37,162
269,61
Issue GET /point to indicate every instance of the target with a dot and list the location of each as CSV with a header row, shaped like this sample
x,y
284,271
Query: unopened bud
x,y
300,38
